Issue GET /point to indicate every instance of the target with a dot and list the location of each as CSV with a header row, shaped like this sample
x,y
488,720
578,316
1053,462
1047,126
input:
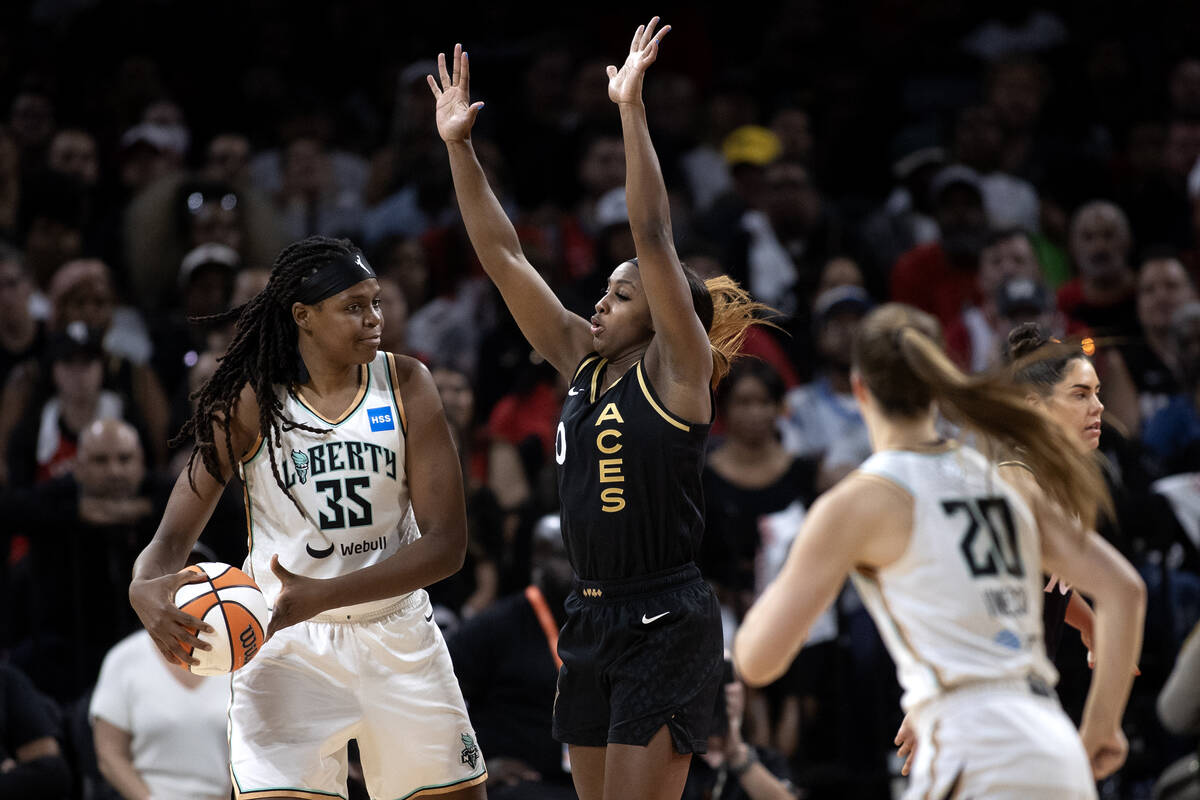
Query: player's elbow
x,y
754,666
453,553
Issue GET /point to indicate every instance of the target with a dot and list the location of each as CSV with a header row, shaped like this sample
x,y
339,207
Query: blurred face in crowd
x,y
791,199
73,152
405,261
794,129
622,319
15,289
227,158
305,168
835,338
839,271
1004,260
1100,242
458,398
216,220
750,411
78,378
110,463
672,101
248,283
603,165
208,290
962,221
50,244
1184,87
1075,405
89,301
978,138
1182,147
1163,287
394,308
1017,93
32,119
142,163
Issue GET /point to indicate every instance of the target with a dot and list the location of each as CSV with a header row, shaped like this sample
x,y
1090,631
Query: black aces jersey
x,y
628,477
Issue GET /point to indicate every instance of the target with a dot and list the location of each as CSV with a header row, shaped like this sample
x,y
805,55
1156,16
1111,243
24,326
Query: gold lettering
x,y
612,448
613,499
610,470
610,412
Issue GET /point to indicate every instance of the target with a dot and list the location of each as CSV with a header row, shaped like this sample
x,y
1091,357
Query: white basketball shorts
x,y
386,681
1002,743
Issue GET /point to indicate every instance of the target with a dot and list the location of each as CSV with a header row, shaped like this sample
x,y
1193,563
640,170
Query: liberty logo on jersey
x,y
381,419
470,751
300,459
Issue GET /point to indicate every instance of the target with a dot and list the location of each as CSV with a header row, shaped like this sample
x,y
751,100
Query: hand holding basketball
x,y
300,598
174,632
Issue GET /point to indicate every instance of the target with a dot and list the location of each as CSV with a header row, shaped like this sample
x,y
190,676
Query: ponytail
x,y
988,403
734,311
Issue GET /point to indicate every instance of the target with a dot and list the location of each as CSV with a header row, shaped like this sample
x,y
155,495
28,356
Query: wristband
x,y
749,761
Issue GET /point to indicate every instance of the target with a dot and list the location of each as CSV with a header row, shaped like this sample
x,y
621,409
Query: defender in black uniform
x,y
641,648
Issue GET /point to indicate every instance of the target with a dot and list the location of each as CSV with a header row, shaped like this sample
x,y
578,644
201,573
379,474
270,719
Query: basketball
x,y
234,606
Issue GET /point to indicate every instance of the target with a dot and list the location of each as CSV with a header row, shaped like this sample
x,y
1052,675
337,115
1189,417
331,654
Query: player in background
x,y
354,503
641,648
947,556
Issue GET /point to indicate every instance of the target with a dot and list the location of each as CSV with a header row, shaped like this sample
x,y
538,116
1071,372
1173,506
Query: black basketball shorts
x,y
638,655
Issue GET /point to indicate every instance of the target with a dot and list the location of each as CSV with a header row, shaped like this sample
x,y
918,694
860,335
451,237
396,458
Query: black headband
x,y
336,275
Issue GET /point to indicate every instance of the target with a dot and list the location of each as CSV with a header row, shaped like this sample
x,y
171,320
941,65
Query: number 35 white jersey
x,y
964,602
350,480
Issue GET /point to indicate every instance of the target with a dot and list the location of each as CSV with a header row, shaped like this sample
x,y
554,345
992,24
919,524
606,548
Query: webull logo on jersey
x,y
381,419
360,457
300,459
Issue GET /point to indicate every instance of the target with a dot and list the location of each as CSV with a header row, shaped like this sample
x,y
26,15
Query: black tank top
x,y
628,477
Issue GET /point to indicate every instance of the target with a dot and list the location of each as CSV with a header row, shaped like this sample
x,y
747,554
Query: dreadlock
x,y
263,354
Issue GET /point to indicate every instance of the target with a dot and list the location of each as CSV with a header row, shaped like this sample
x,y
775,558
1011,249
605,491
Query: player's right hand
x,y
906,741
174,632
455,111
1105,750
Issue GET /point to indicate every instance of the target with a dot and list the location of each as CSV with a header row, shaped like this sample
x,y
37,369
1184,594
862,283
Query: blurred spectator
x,y
971,339
21,336
733,769
1017,90
906,218
82,291
82,533
1103,297
32,119
32,766
159,730
746,477
1010,202
506,659
149,152
53,216
1179,701
43,445
821,419
1163,286
1015,29
73,152
394,307
10,184
227,160
941,277
1175,430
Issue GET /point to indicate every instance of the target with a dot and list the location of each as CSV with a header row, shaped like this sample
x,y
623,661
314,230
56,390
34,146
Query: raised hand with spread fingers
x,y
625,84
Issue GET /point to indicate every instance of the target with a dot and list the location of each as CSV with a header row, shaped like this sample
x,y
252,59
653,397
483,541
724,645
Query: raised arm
x,y
561,337
683,356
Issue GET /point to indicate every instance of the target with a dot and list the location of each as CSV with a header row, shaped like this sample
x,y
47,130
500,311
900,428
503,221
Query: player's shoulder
x,y
410,372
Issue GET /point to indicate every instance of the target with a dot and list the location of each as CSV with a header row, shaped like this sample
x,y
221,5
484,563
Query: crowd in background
x,y
992,163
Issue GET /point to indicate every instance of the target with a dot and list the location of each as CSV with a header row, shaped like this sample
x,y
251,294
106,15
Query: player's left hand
x,y
625,84
906,742
300,598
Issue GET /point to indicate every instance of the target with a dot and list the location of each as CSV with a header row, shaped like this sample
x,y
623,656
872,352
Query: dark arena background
x,y
993,163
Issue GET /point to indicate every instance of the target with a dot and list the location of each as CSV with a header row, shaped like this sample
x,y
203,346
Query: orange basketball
x,y
234,606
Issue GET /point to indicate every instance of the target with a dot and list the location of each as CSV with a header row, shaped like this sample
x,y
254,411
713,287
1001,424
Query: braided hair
x,y
263,354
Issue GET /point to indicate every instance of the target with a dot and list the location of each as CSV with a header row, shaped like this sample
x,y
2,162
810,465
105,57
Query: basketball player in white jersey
x,y
948,556
354,502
